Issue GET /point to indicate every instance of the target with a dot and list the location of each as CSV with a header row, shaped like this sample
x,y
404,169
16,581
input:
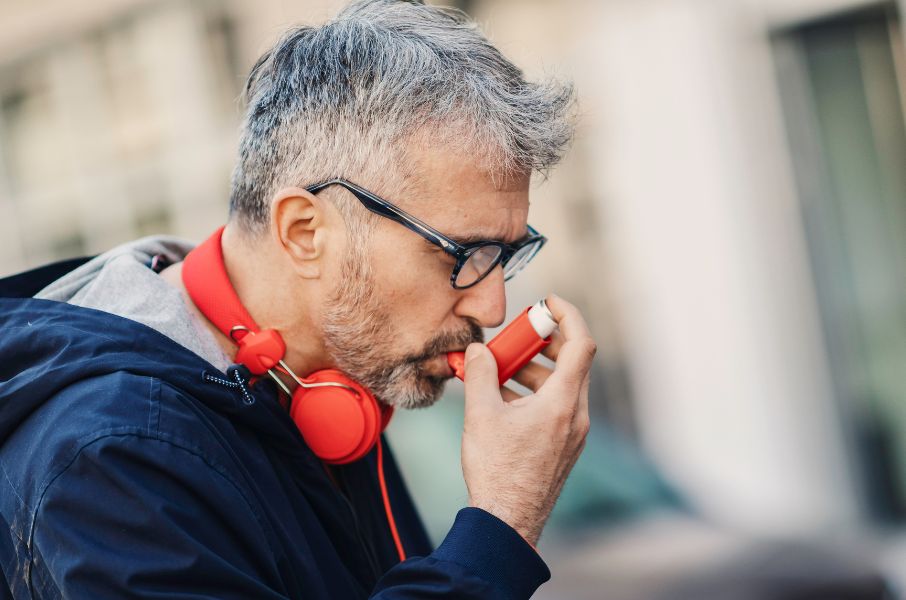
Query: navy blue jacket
x,y
126,472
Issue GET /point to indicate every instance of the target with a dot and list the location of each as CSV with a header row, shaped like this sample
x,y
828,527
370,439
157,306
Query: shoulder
x,y
132,510
102,411
122,446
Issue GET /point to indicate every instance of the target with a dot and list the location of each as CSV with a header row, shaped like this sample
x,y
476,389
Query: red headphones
x,y
339,419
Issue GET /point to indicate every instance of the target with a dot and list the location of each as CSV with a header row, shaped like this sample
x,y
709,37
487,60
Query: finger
x,y
569,320
532,375
578,349
482,386
582,412
553,349
508,394
573,364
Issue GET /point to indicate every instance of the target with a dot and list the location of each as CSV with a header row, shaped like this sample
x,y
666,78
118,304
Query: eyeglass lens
x,y
485,258
520,259
482,260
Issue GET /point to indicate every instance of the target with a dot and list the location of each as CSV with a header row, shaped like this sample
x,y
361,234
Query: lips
x,y
438,365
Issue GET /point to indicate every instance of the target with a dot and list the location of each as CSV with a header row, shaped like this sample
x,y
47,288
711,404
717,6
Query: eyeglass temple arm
x,y
384,208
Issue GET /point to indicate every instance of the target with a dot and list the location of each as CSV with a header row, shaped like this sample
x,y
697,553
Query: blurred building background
x,y
731,219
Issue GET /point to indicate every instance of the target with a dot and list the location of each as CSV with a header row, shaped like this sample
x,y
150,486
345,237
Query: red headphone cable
x,y
386,497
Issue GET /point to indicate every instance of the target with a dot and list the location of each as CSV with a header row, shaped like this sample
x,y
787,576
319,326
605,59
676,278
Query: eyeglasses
x,y
474,261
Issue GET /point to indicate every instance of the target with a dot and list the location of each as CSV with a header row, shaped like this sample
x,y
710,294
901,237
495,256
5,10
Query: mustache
x,y
449,341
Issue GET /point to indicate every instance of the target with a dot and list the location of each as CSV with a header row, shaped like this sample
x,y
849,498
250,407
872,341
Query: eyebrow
x,y
472,238
469,239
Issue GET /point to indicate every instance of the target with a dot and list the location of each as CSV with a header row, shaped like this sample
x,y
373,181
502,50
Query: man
x,y
138,461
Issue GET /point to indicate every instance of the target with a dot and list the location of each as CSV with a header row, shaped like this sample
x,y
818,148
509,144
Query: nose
x,y
484,302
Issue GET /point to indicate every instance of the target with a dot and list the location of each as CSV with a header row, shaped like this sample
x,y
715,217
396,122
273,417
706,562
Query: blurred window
x,y
28,125
120,130
842,86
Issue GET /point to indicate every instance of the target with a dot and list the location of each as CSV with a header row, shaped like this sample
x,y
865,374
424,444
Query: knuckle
x,y
583,427
589,347
571,382
563,414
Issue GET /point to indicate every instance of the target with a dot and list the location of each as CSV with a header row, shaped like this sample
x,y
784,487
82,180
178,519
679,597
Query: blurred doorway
x,y
842,87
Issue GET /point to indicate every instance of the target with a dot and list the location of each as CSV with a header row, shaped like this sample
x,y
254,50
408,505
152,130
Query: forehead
x,y
456,195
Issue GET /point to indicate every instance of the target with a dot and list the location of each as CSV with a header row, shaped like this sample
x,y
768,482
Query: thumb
x,y
481,375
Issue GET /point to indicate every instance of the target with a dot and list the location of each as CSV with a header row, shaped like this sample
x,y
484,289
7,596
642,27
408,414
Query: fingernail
x,y
472,351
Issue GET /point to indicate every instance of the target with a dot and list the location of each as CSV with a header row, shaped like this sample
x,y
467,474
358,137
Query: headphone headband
x,y
208,284
205,277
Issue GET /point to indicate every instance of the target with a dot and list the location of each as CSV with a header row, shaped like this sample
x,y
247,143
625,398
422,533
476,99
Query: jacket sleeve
x,y
140,517
482,557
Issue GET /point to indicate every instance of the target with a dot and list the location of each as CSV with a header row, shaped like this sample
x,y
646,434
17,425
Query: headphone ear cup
x,y
340,426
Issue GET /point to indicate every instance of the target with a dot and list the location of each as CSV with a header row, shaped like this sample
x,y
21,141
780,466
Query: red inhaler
x,y
517,344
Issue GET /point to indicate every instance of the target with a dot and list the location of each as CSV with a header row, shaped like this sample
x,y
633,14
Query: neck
x,y
254,269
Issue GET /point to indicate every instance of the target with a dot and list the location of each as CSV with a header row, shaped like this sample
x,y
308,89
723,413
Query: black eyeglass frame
x,y
461,252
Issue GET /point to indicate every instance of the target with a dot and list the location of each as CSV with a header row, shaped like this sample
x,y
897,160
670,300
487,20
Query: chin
x,y
421,394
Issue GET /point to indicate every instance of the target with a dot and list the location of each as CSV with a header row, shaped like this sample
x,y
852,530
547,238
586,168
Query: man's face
x,y
393,314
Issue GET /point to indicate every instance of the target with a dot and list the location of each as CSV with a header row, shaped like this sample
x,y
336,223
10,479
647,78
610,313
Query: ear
x,y
301,221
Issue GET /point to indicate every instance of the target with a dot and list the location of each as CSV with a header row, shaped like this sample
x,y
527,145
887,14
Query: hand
x,y
517,451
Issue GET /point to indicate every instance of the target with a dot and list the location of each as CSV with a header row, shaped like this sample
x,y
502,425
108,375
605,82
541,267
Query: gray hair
x,y
347,99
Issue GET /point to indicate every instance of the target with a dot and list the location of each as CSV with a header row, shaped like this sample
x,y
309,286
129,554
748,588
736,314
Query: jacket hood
x,y
125,281
76,282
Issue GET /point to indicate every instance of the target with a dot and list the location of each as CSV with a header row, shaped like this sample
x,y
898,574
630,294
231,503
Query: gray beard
x,y
356,337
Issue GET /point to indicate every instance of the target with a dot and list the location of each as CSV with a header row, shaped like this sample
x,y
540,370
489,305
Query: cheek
x,y
413,287
405,271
